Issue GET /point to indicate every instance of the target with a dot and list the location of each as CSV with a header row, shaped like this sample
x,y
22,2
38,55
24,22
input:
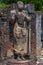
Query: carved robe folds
x,y
21,38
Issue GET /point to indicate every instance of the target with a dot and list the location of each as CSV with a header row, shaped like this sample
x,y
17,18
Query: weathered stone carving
x,y
16,30
20,24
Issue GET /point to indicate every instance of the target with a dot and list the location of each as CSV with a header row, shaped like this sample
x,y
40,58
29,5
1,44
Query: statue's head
x,y
20,5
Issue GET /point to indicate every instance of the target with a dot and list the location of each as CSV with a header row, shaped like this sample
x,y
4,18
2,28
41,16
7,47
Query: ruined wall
x,y
5,43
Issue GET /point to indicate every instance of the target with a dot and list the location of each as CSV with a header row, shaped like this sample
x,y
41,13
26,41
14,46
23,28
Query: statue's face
x,y
20,5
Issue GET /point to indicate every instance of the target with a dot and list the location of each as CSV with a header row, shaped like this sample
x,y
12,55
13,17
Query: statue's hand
x,y
26,16
17,31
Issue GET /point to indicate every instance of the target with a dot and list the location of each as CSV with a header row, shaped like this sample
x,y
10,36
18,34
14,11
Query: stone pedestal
x,y
40,64
16,62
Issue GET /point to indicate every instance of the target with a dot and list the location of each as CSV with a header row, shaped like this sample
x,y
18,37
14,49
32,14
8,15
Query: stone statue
x,y
20,20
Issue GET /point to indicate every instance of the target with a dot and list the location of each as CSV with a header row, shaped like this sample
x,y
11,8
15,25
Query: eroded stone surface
x,y
8,40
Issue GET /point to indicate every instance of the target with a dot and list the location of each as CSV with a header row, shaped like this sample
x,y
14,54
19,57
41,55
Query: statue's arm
x,y
28,18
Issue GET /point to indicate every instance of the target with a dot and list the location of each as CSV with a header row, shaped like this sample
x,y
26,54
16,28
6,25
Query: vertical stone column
x,y
38,33
33,37
32,44
29,39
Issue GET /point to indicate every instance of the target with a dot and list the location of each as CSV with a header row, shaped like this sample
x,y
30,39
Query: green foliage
x,y
38,3
2,6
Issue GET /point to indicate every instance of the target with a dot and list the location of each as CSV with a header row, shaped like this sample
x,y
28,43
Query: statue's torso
x,y
20,32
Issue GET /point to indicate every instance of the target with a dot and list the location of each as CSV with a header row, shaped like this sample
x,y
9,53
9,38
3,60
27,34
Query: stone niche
x,y
18,33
